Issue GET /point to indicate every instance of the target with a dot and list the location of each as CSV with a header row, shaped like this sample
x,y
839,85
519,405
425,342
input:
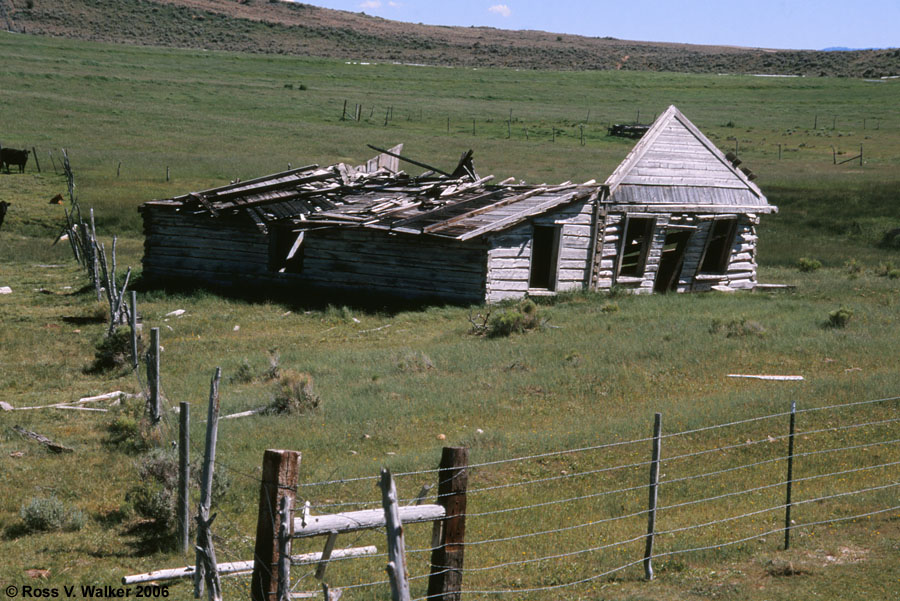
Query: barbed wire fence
x,y
579,518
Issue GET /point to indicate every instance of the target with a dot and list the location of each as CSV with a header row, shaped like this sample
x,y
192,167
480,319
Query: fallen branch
x,y
53,446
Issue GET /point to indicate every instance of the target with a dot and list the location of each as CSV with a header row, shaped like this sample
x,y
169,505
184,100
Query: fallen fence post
x,y
396,567
790,478
206,572
279,479
445,581
654,483
184,441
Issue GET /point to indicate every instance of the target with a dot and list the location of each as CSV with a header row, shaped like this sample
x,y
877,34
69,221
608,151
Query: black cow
x,y
11,156
3,206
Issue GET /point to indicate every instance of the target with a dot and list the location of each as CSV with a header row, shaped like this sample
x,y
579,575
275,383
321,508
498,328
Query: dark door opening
x,y
544,256
671,260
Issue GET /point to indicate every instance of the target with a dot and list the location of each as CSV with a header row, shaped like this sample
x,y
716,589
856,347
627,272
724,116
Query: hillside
x,y
277,27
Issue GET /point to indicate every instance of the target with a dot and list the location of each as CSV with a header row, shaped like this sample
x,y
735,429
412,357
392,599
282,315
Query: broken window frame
x,y
711,250
637,271
286,250
552,259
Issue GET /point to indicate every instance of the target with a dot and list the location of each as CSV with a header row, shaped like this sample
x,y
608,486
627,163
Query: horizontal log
x,y
237,567
318,525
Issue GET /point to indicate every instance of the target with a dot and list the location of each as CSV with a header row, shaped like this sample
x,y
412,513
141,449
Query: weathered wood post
x,y
279,479
36,162
285,531
445,582
396,567
344,111
132,318
654,483
184,451
206,572
153,375
790,478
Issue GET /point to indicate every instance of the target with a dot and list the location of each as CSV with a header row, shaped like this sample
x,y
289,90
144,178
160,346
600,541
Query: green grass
x,y
597,376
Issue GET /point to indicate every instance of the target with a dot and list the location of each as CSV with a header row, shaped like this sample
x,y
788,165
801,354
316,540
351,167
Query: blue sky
x,y
806,24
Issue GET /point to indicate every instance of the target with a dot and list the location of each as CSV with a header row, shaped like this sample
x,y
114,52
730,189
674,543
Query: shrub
x,y
839,318
130,429
736,328
523,317
243,374
887,270
157,494
113,353
293,394
49,514
853,267
807,265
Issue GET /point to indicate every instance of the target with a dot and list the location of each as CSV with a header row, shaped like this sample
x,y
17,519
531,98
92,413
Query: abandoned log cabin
x,y
676,215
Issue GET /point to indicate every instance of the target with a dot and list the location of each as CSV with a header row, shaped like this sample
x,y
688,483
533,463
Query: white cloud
x,y
394,4
501,9
370,4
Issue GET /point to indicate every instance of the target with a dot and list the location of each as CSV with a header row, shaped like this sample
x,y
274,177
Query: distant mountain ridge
x,y
278,27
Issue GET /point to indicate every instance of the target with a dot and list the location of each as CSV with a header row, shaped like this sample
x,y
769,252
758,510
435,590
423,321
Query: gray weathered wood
x,y
132,318
237,567
53,446
790,477
206,573
396,566
284,550
184,476
153,376
352,521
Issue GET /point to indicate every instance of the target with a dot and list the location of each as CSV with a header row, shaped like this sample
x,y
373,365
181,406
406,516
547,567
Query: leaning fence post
x,y
184,443
153,375
654,483
445,581
396,566
206,572
790,478
36,161
279,479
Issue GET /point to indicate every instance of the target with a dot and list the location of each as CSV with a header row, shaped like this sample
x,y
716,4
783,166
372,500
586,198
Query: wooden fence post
x,y
790,478
36,161
132,318
654,483
285,532
445,582
279,479
206,571
184,443
153,375
396,567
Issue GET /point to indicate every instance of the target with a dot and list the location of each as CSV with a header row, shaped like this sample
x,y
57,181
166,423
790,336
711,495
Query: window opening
x,y
635,246
718,246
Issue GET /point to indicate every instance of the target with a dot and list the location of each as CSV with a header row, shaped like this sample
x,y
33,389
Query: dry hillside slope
x,y
275,26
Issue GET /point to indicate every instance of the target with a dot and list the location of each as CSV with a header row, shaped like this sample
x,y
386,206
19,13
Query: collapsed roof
x,y
460,205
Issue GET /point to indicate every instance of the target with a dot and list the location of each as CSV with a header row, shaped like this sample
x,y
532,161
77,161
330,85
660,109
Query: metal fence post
x,y
654,483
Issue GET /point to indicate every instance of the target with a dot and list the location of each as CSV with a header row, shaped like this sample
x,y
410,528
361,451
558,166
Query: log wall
x,y
509,254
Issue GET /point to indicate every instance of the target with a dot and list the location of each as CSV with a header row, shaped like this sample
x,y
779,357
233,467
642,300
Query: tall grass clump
x,y
293,394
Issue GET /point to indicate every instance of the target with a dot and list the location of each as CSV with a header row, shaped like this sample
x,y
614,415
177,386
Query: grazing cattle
x,y
11,156
3,206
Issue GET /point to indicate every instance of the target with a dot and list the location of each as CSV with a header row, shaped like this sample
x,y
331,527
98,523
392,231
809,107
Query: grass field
x,y
387,393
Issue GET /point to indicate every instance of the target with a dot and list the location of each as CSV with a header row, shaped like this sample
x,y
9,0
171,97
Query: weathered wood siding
x,y
224,253
182,248
741,271
401,266
509,254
